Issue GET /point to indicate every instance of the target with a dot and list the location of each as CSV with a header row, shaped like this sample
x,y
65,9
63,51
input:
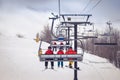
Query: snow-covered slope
x,y
19,61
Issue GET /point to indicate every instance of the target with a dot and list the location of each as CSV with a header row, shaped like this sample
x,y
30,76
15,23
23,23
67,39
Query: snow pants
x,y
60,62
46,62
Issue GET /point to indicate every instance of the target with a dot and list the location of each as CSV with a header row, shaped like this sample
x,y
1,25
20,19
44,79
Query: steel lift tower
x,y
75,26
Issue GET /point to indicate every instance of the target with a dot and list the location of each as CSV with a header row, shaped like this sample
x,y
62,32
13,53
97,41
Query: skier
x,y
70,51
60,52
49,52
55,46
62,45
67,45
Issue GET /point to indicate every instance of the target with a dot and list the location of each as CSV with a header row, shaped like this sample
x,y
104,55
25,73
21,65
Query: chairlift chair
x,y
58,45
107,41
76,20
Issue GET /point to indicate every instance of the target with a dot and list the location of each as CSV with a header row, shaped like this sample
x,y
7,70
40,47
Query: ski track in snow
x,y
19,61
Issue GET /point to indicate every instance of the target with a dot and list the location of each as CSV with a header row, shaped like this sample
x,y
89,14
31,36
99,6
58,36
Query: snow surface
x,y
19,61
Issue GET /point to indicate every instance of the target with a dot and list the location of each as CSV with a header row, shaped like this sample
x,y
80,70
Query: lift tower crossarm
x,y
78,23
75,15
87,16
75,23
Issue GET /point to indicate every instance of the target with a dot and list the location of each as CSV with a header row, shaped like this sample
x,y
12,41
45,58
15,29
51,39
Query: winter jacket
x,y
49,51
70,51
60,52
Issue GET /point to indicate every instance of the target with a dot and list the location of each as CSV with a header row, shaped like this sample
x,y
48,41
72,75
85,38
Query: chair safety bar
x,y
64,57
58,46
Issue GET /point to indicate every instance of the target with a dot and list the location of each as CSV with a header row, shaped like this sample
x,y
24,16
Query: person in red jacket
x,y
49,52
60,52
70,51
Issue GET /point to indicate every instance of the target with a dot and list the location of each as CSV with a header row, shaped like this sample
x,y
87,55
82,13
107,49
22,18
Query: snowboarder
x,y
60,52
49,52
70,51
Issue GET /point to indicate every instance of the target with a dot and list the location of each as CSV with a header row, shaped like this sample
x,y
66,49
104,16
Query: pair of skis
x,y
49,68
65,66
73,67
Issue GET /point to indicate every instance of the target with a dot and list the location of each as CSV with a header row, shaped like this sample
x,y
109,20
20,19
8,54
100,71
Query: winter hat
x,y
49,47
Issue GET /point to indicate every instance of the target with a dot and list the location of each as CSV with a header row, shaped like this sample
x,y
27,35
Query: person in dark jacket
x,y
70,51
67,46
55,46
49,52
60,52
62,45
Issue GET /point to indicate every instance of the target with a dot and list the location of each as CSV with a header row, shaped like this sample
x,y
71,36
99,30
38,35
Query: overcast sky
x,y
29,15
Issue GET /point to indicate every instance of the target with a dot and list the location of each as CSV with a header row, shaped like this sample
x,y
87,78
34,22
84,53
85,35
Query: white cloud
x,y
28,16
24,21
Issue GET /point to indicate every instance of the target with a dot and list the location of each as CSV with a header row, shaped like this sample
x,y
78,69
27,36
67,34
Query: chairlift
x,y
105,40
106,44
66,57
73,19
59,41
88,34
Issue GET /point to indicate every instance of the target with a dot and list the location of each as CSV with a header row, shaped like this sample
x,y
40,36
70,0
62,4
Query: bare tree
x,y
46,34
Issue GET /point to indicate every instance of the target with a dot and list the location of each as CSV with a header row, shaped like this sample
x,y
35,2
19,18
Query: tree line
x,y
105,50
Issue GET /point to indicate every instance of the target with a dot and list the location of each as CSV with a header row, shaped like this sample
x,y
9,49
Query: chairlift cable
x,y
95,6
117,20
86,6
59,9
